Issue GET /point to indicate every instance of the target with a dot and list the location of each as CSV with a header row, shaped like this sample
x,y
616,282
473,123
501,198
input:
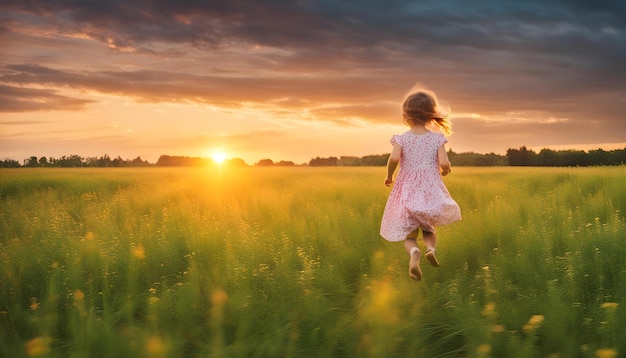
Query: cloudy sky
x,y
292,80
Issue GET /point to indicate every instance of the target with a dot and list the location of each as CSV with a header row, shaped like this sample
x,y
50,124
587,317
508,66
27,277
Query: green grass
x,y
288,262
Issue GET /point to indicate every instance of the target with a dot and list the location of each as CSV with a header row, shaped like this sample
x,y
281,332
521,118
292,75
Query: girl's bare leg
x,y
430,239
410,244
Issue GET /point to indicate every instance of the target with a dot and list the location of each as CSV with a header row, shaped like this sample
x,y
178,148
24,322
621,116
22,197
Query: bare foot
x,y
414,266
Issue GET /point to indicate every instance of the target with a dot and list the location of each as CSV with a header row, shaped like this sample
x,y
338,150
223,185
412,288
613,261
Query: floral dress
x,y
419,198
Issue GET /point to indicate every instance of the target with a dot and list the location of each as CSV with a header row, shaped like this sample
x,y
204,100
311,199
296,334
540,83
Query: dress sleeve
x,y
441,140
396,139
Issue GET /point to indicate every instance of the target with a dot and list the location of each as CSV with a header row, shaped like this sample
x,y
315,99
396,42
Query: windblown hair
x,y
421,106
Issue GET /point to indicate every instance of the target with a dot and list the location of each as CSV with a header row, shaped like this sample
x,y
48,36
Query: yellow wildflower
x,y
79,296
536,320
155,346
138,252
484,349
489,310
533,323
38,346
606,353
219,297
610,305
34,304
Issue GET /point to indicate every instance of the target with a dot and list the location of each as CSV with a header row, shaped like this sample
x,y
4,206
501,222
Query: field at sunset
x,y
288,262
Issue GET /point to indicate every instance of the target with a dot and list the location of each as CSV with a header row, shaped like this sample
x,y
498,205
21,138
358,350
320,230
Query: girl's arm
x,y
392,163
444,162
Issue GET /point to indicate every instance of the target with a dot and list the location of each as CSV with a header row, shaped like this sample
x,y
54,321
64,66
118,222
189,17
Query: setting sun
x,y
219,157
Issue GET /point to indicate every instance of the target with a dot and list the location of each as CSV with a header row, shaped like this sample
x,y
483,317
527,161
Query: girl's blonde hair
x,y
421,106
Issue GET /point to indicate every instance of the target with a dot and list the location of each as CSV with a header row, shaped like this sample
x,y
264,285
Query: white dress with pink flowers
x,y
419,198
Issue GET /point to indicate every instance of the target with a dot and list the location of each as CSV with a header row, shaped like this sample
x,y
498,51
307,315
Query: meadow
x,y
288,262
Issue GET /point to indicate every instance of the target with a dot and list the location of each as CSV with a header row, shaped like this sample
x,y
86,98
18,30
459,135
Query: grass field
x,y
288,262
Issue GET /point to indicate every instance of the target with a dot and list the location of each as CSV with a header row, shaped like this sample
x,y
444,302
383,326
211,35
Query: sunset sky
x,y
293,80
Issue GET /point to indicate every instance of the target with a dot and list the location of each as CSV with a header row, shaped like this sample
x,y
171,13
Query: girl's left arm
x,y
444,162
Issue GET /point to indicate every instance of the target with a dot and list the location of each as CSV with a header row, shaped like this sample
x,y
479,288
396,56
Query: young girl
x,y
419,199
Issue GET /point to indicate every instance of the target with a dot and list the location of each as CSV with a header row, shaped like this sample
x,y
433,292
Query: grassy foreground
x,y
287,262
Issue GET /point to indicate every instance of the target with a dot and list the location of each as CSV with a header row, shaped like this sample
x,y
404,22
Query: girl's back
x,y
419,151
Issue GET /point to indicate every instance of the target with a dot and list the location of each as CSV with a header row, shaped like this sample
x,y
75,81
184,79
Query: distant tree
x,y
71,161
236,162
91,162
119,162
476,159
138,162
374,160
349,161
521,157
164,161
323,162
617,157
285,163
492,159
548,157
104,161
574,158
31,162
177,161
598,157
9,163
264,163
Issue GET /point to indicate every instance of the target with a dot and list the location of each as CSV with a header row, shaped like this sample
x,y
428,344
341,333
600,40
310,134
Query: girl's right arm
x,y
392,163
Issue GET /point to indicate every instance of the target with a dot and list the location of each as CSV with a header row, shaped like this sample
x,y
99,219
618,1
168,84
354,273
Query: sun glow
x,y
218,157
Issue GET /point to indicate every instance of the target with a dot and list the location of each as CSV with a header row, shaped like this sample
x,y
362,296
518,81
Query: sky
x,y
294,80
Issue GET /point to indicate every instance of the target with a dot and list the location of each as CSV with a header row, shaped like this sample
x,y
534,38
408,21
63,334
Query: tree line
x,y
514,157
74,161
565,158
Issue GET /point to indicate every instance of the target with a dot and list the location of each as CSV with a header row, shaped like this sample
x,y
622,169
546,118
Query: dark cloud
x,y
336,29
159,86
19,99
554,27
